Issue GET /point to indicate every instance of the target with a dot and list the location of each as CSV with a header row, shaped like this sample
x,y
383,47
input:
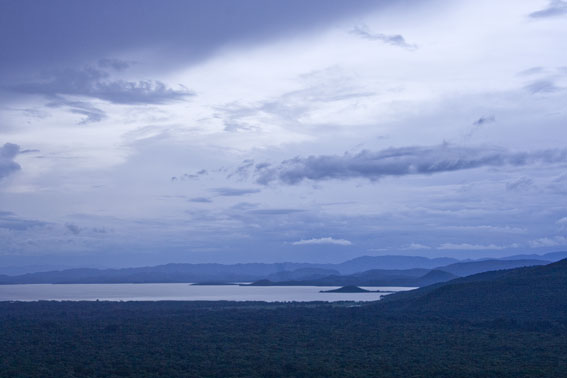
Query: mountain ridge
x,y
332,274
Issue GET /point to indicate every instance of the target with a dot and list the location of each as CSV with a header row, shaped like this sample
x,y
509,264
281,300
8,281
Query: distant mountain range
x,y
525,294
361,271
375,277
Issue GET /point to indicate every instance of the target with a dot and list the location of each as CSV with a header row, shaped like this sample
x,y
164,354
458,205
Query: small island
x,y
352,289
213,283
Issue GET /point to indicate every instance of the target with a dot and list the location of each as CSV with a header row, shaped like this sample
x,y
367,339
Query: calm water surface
x,y
181,292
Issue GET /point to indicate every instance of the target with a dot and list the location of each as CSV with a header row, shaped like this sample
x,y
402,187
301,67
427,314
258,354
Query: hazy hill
x,y
365,270
473,267
552,256
302,274
221,272
532,293
375,277
365,263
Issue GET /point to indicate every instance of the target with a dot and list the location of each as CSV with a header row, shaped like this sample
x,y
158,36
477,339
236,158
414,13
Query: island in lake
x,y
352,289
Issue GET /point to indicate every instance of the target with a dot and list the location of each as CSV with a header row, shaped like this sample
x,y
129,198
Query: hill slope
x,y
532,294
468,268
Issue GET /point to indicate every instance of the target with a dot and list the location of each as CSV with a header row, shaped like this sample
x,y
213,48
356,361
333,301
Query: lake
x,y
182,292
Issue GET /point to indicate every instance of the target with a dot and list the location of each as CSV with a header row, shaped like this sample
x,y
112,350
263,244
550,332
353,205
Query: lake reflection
x,y
182,292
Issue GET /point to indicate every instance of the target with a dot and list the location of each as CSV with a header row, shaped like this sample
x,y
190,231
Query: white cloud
x,y
474,247
327,240
552,241
416,246
487,228
562,223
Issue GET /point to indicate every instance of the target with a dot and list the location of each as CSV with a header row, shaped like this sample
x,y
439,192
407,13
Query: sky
x,y
140,132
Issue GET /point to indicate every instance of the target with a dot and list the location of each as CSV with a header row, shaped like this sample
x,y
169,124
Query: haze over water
x,y
183,291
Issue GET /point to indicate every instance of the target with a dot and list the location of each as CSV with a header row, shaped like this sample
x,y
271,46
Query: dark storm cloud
x,y
394,39
96,83
234,192
555,8
44,33
403,161
7,164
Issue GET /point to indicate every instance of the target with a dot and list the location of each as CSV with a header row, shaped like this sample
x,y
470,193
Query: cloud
x,y
234,192
484,120
181,32
73,228
542,86
481,122
415,246
400,161
559,184
395,39
321,87
327,240
189,176
10,221
552,241
521,184
91,113
475,247
531,71
562,223
555,8
487,228
7,164
275,211
96,83
200,200
116,64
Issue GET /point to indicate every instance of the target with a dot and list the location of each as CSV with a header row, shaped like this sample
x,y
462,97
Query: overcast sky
x,y
143,132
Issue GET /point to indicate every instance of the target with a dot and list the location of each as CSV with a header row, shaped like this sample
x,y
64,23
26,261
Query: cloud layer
x,y
394,39
399,162
326,240
555,8
96,83
7,164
